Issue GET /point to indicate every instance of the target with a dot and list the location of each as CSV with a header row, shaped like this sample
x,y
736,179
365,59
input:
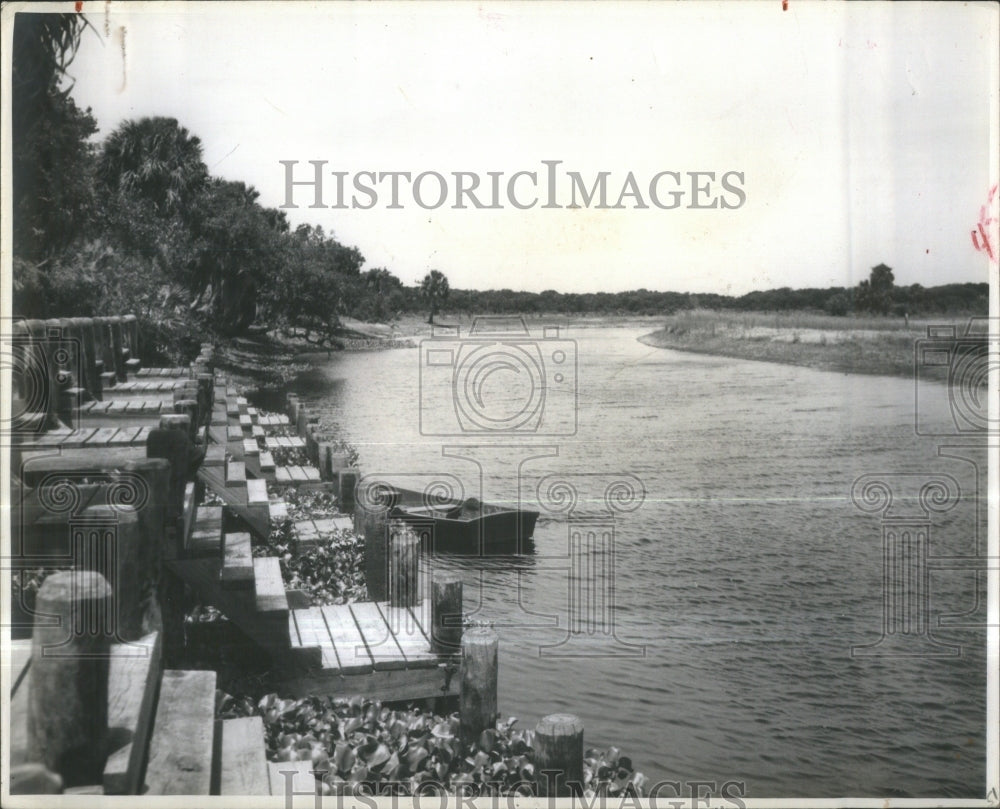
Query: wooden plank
x,y
189,512
101,437
311,472
20,659
272,443
215,455
282,474
234,433
250,447
236,473
135,405
312,631
53,438
242,759
232,409
298,474
257,493
347,639
269,588
266,462
132,679
118,406
125,436
100,407
383,648
412,642
78,438
257,431
206,536
142,435
246,423
237,561
278,511
180,752
385,685
284,441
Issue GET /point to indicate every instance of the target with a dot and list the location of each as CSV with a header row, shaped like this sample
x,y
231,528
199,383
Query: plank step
x,y
236,473
206,536
269,589
266,462
241,758
132,676
180,751
237,561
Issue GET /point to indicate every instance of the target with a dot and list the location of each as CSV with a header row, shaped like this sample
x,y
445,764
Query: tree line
x,y
137,223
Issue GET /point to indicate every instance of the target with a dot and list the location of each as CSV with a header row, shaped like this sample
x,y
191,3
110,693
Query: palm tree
x,y
155,159
435,289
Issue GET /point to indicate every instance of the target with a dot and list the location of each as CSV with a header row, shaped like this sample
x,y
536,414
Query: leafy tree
x,y
875,293
51,162
434,289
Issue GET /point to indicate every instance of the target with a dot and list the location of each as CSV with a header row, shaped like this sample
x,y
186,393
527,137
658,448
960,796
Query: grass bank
x,y
861,345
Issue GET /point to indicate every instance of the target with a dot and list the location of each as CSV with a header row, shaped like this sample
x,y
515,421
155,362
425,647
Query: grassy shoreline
x,y
879,346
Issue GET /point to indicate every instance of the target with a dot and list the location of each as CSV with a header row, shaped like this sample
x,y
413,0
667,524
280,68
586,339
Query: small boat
x,y
466,526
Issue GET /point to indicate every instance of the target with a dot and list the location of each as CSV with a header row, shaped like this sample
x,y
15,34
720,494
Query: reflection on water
x,y
725,604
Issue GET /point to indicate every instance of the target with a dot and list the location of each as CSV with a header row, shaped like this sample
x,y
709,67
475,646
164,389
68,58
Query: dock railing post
x,y
404,565
559,756
446,613
478,691
373,524
70,660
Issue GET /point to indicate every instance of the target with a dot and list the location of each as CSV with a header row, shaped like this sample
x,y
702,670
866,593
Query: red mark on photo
x,y
79,6
784,5
984,236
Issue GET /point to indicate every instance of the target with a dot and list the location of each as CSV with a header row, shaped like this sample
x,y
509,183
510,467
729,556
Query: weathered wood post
x,y
347,482
84,330
130,333
62,370
446,613
373,525
478,691
189,407
108,540
102,334
559,756
70,658
404,565
117,346
172,443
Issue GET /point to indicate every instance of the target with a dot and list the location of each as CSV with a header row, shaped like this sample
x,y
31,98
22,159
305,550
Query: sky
x,y
859,133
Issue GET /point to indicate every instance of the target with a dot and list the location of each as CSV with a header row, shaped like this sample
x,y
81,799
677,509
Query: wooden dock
x,y
133,449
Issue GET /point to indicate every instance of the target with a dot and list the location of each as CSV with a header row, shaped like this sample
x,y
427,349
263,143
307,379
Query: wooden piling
x,y
446,613
117,345
347,480
108,540
173,445
559,756
190,408
478,694
68,698
373,525
404,565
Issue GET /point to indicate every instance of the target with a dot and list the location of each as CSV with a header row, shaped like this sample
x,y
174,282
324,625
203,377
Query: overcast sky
x,y
862,132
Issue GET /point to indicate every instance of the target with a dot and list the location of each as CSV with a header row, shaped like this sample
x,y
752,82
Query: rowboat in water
x,y
466,526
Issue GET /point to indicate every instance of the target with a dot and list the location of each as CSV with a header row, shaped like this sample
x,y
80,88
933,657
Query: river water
x,y
715,642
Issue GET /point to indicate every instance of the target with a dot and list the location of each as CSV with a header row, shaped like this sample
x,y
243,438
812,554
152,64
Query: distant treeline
x,y
912,300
